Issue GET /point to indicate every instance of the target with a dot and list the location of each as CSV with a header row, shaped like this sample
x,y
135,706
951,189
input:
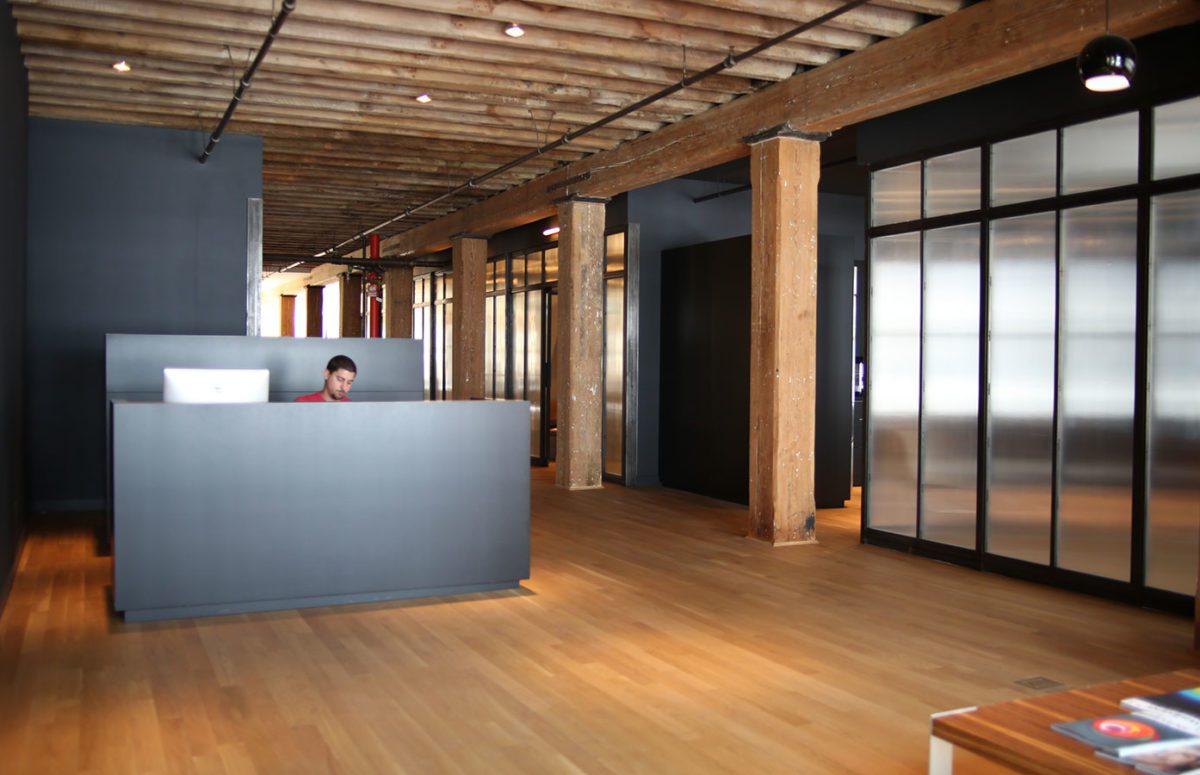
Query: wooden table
x,y
1017,734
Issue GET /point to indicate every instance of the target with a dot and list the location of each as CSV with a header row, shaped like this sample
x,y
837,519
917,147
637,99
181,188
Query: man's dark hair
x,y
341,362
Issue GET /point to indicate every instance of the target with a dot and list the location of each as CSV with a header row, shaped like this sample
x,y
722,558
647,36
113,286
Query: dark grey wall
x,y
668,218
129,234
13,121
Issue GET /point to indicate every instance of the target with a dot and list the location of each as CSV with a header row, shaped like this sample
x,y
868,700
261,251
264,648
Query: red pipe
x,y
375,303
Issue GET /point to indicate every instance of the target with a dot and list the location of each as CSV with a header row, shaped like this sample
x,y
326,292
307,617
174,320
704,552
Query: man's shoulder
x,y
311,397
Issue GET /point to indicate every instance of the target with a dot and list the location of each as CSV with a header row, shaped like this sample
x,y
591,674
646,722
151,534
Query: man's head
x,y
339,376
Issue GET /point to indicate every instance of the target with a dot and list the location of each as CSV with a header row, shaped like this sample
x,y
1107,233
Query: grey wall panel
x,y
13,151
241,507
389,369
893,384
127,232
950,385
1173,523
1096,392
1022,312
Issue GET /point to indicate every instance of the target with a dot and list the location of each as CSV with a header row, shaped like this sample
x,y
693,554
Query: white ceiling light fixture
x,y
423,98
550,232
122,66
514,30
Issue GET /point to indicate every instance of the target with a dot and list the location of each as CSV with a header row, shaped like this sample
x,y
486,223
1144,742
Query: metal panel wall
x,y
1173,524
894,384
1097,366
1023,283
950,385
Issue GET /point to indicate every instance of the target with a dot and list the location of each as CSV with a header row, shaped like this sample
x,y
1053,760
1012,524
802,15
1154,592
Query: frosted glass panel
x,y
1025,168
950,381
1021,375
1097,390
501,347
614,252
551,260
489,347
896,194
1100,154
1173,537
533,374
448,341
952,183
1177,140
893,383
518,302
614,376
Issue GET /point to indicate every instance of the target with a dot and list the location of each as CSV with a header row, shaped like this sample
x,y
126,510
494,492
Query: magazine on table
x,y
1180,709
1124,733
1166,758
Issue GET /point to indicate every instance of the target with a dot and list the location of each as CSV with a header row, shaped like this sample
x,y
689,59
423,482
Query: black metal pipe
x,y
729,61
287,8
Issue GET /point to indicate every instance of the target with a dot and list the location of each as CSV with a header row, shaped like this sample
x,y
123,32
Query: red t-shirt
x,y
317,397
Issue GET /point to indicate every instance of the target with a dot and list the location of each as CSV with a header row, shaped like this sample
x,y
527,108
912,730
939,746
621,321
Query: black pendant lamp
x,y
1108,62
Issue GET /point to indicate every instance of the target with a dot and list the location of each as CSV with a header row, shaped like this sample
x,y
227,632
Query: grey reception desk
x,y
231,508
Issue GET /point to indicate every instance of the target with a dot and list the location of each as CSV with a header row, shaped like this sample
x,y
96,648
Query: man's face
x,y
337,384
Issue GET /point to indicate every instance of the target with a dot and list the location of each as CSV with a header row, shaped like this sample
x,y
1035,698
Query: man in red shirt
x,y
339,376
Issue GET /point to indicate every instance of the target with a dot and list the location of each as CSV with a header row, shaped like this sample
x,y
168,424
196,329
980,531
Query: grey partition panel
x,y
388,369
228,508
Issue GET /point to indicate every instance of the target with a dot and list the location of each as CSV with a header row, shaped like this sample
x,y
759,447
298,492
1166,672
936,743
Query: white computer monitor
x,y
216,386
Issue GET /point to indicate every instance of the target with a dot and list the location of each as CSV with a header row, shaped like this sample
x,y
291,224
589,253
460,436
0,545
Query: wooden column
x,y
468,258
580,326
398,295
351,286
784,169
287,315
314,298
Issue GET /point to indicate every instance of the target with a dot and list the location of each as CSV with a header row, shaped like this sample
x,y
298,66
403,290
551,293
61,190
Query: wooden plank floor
x,y
651,638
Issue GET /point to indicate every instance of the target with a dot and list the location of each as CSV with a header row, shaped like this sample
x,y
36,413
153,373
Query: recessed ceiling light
x,y
550,232
514,30
122,66
424,97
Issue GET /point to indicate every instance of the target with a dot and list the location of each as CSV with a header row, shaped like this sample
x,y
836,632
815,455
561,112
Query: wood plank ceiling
x,y
346,144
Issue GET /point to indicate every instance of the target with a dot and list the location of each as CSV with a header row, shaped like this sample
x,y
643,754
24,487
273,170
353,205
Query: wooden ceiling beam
x,y
457,171
398,114
980,44
850,31
871,19
422,70
52,58
266,92
617,59
207,110
551,32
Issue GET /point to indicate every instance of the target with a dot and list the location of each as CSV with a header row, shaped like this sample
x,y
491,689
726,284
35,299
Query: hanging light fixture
x,y
1108,62
122,66
423,98
514,30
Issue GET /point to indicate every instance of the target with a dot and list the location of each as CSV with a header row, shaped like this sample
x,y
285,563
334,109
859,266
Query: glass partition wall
x,y
1034,356
520,362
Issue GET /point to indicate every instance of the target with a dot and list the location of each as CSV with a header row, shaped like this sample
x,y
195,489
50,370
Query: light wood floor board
x,y
652,637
